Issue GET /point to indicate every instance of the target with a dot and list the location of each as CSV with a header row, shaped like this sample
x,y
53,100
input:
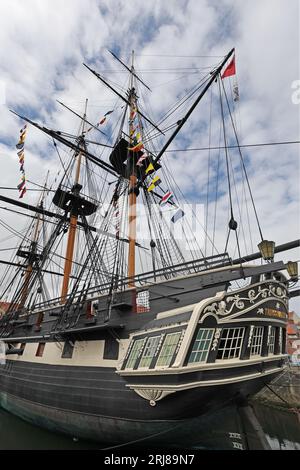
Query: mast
x,y
31,255
73,223
132,184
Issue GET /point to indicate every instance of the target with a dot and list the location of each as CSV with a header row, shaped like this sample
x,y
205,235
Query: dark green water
x,y
281,429
17,434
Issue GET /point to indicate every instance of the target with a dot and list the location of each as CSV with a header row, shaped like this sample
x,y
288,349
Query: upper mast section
x,y
132,193
76,207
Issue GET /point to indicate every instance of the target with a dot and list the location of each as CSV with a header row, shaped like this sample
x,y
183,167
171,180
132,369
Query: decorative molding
x,y
232,303
158,392
152,395
250,336
216,339
180,341
162,337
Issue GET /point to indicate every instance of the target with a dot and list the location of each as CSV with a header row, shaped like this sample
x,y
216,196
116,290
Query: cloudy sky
x,y
44,43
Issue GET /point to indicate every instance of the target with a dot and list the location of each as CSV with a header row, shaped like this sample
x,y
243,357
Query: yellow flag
x,y
150,169
155,182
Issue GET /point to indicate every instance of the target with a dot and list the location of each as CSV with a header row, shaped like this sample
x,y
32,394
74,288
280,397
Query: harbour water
x,y
281,429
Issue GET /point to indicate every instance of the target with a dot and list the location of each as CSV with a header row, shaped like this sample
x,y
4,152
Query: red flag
x,y
230,69
137,147
22,193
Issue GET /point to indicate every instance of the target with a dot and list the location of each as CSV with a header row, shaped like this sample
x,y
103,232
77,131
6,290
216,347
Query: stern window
x,y
168,349
201,345
138,344
230,343
149,351
271,339
257,339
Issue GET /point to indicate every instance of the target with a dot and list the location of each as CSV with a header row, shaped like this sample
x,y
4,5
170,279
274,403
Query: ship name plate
x,y
271,312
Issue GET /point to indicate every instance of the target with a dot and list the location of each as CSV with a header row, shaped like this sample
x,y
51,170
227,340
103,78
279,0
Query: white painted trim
x,y
85,354
176,311
219,364
161,329
203,383
263,319
192,325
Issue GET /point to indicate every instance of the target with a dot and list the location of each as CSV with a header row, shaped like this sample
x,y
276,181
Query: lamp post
x,y
266,249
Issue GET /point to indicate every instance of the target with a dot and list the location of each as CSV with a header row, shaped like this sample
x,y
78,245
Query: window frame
x,y
231,340
153,349
271,345
138,351
174,346
207,346
254,344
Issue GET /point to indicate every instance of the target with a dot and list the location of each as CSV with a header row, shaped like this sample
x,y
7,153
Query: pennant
x,y
177,216
150,169
21,185
132,113
236,95
137,147
155,182
166,197
22,136
20,145
102,121
22,193
141,159
230,69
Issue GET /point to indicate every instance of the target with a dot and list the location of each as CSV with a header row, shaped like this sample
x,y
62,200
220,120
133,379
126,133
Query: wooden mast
x,y
72,228
132,186
29,268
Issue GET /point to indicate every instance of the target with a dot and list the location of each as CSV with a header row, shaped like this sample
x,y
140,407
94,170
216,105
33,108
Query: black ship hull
x,y
50,397
92,382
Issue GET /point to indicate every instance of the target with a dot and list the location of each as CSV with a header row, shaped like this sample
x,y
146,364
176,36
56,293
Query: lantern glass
x,y
292,268
266,249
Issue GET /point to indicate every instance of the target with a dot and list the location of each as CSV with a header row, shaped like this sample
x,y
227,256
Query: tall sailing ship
x,y
118,338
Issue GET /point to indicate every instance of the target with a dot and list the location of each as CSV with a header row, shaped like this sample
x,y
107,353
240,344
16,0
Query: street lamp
x,y
266,249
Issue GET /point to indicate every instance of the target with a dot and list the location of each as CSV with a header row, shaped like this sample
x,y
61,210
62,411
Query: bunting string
x,y
101,121
20,147
138,146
